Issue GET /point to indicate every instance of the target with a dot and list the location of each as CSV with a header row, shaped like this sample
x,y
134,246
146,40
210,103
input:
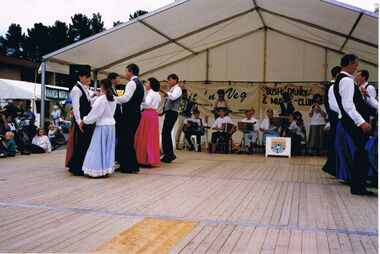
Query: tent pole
x,y
42,113
207,66
326,65
265,55
95,80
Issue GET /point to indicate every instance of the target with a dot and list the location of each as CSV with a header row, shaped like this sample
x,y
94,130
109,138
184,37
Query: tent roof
x,y
188,27
14,89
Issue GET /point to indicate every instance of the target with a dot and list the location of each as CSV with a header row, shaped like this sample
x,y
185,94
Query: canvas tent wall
x,y
232,40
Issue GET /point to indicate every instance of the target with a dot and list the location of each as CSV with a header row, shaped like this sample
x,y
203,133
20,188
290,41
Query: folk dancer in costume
x,y
100,156
147,137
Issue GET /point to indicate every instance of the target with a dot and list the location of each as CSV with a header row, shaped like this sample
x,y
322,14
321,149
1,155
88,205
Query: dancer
x,y
130,119
171,109
147,138
115,80
79,140
100,157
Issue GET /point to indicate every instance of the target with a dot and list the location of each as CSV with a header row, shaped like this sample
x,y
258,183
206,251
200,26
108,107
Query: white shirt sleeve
x,y
75,96
265,124
332,100
175,94
130,88
346,90
95,113
372,102
148,100
372,91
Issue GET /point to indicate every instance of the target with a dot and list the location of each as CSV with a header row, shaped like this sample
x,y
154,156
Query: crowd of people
x,y
19,134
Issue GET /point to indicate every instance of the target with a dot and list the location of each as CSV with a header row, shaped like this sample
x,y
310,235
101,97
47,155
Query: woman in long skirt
x,y
147,137
100,157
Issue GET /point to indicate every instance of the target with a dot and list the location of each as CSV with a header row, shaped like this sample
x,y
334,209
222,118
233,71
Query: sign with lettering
x,y
56,94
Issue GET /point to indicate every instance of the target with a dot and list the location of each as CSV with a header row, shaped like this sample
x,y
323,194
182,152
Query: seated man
x,y
219,126
268,126
250,138
59,137
194,126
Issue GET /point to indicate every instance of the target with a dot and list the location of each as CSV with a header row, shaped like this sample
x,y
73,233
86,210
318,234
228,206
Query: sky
x,y
48,11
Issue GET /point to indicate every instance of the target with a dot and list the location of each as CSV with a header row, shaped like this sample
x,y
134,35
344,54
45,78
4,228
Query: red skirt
x,y
147,139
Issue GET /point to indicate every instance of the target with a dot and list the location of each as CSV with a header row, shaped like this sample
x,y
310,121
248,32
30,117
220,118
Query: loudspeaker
x,y
74,71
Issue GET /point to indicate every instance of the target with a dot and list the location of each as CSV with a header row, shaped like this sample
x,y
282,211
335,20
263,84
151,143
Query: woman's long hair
x,y
107,85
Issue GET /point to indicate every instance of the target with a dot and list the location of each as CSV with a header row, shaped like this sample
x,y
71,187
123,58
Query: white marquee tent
x,y
231,40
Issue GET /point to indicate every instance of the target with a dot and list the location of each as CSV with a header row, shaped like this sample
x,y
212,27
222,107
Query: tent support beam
x,y
202,51
265,54
318,45
351,32
207,65
165,36
176,39
350,37
326,64
43,77
258,12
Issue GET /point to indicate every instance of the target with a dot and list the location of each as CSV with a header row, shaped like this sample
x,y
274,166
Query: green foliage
x,y
137,14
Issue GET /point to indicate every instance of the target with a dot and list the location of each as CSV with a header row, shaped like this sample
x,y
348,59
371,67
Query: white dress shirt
x,y
346,91
76,93
220,121
371,89
175,92
102,112
333,103
43,142
252,120
129,90
296,129
317,118
152,100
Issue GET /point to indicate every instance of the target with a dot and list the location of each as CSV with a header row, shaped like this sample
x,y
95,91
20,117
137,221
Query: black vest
x,y
286,111
333,116
134,104
117,114
359,102
84,103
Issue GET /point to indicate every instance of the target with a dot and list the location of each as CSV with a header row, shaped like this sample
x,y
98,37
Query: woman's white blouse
x,y
152,100
102,112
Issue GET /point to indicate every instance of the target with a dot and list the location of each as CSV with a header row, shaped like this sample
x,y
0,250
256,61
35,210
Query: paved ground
x,y
200,203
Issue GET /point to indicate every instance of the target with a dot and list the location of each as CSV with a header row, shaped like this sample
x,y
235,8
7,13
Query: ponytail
x,y
109,94
106,83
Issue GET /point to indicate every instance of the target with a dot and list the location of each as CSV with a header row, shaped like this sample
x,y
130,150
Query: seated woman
x,y
194,126
40,143
296,131
268,126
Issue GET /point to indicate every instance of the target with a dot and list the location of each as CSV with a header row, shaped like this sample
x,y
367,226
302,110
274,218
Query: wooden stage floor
x,y
200,203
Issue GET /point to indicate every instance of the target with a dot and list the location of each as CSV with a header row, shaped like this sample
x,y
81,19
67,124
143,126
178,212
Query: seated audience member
x,y
4,127
30,131
268,127
51,133
250,138
219,127
8,145
29,114
41,142
11,124
296,131
194,126
59,137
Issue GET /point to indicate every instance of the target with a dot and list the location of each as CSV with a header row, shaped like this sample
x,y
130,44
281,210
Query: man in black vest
x,y
115,80
330,165
81,139
130,119
355,117
286,109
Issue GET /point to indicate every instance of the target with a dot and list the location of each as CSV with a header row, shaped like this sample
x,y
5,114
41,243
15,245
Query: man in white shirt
x,y
250,138
130,102
171,109
354,121
194,126
219,126
368,91
81,135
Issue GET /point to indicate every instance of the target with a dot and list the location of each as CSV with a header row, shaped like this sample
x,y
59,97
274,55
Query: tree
x,y
116,23
59,35
80,27
37,42
137,14
97,25
11,44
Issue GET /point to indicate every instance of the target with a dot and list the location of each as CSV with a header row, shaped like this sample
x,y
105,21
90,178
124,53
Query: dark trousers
x,y
330,165
167,144
188,135
361,161
34,148
127,158
118,130
296,144
82,141
219,134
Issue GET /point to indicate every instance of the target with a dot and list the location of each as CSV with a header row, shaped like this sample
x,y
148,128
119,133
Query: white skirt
x,y
100,157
